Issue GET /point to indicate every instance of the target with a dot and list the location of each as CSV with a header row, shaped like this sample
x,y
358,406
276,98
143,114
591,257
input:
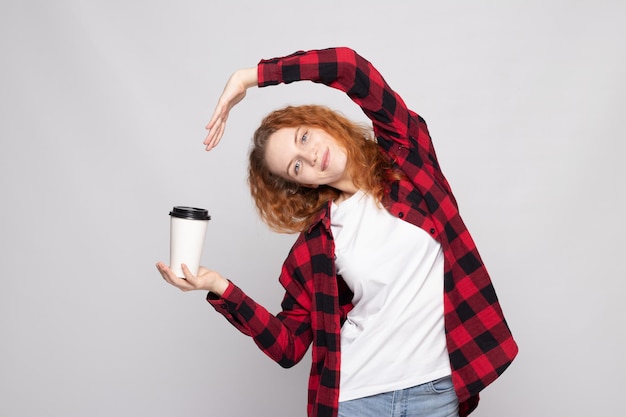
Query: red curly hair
x,y
286,206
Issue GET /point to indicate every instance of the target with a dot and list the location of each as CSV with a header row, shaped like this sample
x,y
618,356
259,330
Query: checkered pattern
x,y
316,301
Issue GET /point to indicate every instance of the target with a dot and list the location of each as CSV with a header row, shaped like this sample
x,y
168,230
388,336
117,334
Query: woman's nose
x,y
311,158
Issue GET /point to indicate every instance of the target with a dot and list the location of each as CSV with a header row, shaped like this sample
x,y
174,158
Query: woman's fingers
x,y
216,128
170,277
218,114
189,277
214,136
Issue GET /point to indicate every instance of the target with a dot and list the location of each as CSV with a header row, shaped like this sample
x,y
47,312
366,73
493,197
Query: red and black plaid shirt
x,y
316,301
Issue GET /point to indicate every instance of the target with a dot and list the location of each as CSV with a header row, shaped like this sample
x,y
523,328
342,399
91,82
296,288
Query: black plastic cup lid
x,y
192,213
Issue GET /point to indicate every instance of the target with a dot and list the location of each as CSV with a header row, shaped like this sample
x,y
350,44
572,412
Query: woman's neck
x,y
345,194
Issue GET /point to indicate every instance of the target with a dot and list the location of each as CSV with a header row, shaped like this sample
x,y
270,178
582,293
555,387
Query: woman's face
x,y
308,156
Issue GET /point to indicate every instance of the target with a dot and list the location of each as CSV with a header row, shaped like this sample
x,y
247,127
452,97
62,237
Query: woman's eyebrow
x,y
295,136
295,141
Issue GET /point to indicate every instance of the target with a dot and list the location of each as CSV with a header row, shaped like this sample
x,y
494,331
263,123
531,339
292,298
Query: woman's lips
x,y
325,160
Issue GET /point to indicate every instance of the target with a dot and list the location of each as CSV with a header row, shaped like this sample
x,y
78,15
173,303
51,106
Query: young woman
x,y
384,279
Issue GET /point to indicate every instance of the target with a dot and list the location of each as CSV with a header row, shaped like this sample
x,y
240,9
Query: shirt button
x,y
432,231
401,214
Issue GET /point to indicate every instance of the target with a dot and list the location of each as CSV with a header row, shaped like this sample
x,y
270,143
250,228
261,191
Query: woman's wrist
x,y
219,286
248,77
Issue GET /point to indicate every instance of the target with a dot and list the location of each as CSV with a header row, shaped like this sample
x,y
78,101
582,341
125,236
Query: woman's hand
x,y
205,280
234,92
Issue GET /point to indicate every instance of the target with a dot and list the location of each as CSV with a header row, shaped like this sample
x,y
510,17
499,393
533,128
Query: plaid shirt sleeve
x,y
345,70
284,337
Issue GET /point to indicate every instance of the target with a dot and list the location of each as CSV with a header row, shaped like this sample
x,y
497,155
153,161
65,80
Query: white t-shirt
x,y
394,336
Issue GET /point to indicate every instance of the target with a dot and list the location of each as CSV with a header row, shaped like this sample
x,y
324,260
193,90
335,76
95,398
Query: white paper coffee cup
x,y
188,226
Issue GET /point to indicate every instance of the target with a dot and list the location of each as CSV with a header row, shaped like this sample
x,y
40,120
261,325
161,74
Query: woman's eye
x,y
304,137
296,167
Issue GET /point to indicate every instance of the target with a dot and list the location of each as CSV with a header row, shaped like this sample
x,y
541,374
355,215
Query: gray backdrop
x,y
103,108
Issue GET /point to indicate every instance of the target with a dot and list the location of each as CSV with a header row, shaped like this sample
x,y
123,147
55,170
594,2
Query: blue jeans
x,y
432,399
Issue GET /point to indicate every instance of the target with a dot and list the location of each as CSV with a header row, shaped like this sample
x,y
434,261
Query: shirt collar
x,y
322,217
